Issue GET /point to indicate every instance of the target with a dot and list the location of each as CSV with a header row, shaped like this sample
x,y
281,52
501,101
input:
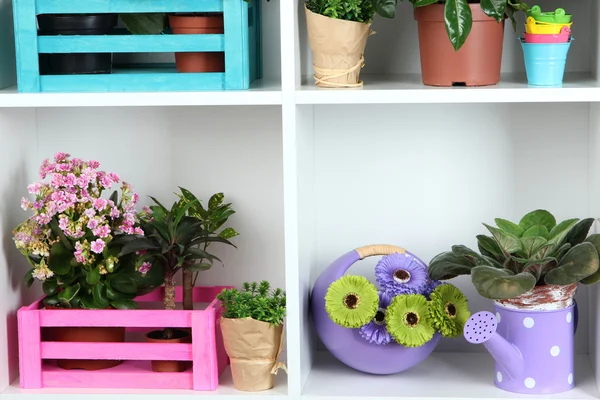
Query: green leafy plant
x,y
457,14
255,300
349,10
177,239
517,257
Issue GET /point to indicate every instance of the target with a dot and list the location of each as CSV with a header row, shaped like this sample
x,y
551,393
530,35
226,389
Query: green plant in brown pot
x,y
460,41
178,239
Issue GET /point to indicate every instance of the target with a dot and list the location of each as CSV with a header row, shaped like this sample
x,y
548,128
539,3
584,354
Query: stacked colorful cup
x,y
545,44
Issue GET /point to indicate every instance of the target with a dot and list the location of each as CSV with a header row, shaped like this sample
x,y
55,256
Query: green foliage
x,y
349,10
457,13
517,257
256,301
178,238
144,23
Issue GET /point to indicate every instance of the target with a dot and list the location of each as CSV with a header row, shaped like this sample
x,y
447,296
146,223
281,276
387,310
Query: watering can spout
x,y
481,329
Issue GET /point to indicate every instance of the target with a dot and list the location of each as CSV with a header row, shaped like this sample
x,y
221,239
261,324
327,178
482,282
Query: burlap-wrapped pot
x,y
338,48
253,348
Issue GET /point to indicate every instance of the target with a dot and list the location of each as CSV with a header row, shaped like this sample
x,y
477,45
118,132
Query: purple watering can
x,y
346,344
533,349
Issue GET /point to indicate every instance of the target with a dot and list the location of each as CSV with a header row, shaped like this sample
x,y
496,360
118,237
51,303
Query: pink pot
x,y
562,37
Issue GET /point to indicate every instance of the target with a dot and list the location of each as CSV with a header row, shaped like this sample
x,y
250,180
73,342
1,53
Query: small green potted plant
x,y
337,34
177,240
252,327
72,242
447,57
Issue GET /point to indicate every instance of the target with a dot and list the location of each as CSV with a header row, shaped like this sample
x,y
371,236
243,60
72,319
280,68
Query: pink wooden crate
x,y
206,352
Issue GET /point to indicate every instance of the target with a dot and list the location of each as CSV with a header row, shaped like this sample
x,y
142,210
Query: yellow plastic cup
x,y
544,28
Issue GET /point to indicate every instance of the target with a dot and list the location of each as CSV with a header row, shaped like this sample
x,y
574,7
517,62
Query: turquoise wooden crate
x,y
241,44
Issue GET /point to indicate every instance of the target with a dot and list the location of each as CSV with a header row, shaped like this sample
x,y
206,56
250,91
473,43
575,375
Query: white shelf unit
x,y
314,173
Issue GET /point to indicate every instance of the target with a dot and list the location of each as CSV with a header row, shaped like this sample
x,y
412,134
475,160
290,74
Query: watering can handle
x,y
559,11
536,9
378,250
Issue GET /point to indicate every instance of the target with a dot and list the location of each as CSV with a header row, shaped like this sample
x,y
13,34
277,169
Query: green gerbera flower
x,y
351,301
407,320
449,310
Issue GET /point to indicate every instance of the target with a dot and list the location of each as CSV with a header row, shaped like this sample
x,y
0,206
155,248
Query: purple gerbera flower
x,y
376,331
401,274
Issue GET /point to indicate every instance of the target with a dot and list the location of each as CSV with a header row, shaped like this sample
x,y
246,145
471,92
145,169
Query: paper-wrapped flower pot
x,y
347,344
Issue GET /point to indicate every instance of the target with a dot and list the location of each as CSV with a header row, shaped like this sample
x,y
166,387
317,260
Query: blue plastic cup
x,y
545,62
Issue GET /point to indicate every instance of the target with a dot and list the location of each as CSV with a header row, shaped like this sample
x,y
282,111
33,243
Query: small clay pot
x,y
179,336
476,63
198,24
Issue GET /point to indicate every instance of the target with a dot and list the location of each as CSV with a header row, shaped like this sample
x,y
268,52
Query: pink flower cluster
x,y
71,193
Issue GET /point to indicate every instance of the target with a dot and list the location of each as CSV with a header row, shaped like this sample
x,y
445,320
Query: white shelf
x,y
225,391
441,376
409,89
260,93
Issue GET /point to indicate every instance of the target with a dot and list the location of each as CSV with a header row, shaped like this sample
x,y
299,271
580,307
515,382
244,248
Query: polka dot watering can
x,y
531,339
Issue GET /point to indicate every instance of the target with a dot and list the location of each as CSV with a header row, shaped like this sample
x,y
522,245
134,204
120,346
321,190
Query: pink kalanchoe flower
x,y
25,204
63,167
90,213
78,233
63,223
43,219
43,168
138,231
135,198
34,188
145,267
38,204
101,231
79,253
57,180
115,213
93,164
146,209
97,246
92,224
51,208
114,177
70,180
76,162
100,204
60,156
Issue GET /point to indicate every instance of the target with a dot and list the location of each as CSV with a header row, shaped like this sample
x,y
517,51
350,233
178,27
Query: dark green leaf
x,y
488,246
458,21
557,233
422,3
60,259
494,8
124,304
51,300
538,217
496,284
508,243
579,232
141,243
215,201
580,262
29,279
448,265
68,293
100,296
385,8
89,303
198,267
509,227
470,255
123,284
50,287
531,245
114,197
58,232
539,268
93,277
595,277
537,230
144,23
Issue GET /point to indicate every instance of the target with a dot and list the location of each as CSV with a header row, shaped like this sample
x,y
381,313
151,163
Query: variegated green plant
x,y
517,257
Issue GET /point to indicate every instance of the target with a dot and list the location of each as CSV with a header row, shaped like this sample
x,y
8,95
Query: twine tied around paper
x,y
328,74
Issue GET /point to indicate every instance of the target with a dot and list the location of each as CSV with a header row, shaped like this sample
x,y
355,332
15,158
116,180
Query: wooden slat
x,y
134,82
124,318
126,6
28,68
130,43
116,351
30,362
237,69
205,366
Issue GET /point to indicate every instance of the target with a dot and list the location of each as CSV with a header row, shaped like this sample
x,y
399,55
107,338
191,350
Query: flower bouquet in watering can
x,y
531,270
389,328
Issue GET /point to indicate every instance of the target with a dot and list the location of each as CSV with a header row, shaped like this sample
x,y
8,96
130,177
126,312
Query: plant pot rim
x,y
542,298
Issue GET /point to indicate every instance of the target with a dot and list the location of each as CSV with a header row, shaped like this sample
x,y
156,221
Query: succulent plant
x,y
517,257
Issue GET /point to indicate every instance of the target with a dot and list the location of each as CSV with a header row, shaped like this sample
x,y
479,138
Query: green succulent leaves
x,y
516,257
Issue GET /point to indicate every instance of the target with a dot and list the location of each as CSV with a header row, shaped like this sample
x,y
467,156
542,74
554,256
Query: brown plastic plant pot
x,y
476,63
198,24
179,336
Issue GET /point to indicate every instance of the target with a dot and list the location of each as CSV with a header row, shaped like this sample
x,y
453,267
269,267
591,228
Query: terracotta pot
x,y
198,24
478,61
84,334
180,336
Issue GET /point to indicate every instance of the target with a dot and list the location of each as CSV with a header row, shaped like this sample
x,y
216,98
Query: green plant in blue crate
x,y
457,13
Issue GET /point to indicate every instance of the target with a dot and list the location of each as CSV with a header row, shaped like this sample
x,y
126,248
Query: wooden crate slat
x,y
126,6
125,376
130,43
134,82
30,362
28,69
124,318
237,66
116,351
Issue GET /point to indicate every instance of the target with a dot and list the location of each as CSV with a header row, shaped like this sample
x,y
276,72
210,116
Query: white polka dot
x,y
570,379
499,376
555,351
498,317
569,317
529,383
528,322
